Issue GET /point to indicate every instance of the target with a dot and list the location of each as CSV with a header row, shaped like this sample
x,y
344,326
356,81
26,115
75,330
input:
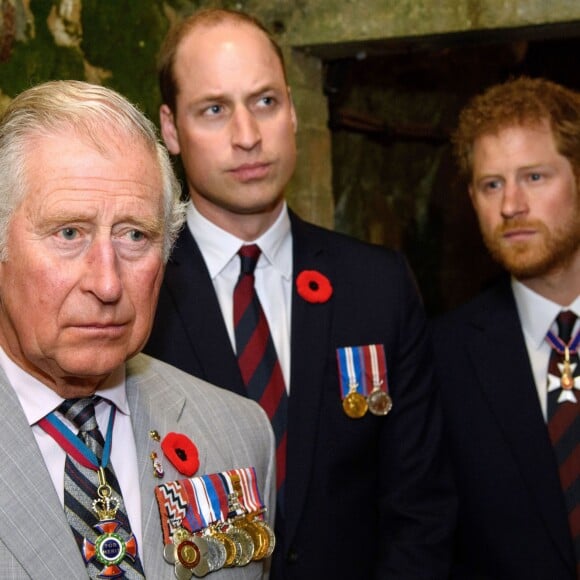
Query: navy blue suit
x,y
365,497
512,520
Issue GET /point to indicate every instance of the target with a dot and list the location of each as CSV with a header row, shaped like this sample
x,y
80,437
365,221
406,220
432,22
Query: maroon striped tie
x,y
564,425
257,357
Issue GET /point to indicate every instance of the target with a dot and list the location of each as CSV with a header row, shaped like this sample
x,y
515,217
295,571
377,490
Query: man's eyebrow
x,y
223,96
153,225
150,224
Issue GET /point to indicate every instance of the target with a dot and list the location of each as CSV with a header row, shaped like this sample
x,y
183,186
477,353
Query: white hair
x,y
88,110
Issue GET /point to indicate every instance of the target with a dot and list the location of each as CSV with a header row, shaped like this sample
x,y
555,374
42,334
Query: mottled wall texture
x,y
377,86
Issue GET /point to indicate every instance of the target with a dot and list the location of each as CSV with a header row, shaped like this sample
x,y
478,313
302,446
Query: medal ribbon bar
x,y
350,373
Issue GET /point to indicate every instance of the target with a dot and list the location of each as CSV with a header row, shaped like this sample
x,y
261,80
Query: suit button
x,y
292,557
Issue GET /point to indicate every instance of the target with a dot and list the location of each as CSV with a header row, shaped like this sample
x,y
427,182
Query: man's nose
x,y
245,129
514,200
102,275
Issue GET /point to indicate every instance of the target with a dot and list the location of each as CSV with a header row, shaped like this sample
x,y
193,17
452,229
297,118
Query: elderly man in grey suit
x,y
114,465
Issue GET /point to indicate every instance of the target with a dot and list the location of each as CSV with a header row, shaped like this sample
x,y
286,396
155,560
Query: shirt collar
x,y
537,313
38,400
219,247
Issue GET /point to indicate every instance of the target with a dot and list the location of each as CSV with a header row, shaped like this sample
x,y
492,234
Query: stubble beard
x,y
550,252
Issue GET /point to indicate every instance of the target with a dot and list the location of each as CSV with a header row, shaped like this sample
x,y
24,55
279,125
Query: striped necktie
x,y
257,358
80,490
564,418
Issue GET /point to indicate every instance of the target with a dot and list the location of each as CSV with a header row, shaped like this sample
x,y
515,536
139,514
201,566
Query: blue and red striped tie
x,y
257,358
564,428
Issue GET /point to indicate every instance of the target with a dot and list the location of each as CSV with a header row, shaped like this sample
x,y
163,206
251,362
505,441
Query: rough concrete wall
x,y
320,22
310,192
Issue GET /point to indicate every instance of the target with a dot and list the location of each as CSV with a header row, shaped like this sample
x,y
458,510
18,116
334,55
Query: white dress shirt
x,y
538,316
273,275
38,400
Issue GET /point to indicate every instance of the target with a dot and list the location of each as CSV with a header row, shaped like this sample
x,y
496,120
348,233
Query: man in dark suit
x,y
366,493
516,464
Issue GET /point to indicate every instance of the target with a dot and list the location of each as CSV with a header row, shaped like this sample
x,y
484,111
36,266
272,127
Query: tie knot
x,y
249,258
80,412
565,321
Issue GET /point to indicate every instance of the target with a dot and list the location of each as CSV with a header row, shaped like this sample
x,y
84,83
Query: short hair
x,y
520,102
85,109
208,17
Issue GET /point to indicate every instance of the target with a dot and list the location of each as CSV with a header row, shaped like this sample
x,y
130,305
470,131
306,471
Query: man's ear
x,y
471,195
169,130
293,111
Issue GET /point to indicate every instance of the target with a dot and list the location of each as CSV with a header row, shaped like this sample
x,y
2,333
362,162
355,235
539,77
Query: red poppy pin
x,y
313,286
181,452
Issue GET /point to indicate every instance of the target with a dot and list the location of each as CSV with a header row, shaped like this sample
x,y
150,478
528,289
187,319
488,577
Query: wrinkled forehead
x,y
113,164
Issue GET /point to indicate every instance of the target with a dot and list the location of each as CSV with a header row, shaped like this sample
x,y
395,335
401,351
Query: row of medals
x,y
356,405
235,542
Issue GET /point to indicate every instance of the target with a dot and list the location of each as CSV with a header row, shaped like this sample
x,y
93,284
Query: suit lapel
x,y
153,407
309,348
161,398
503,369
189,284
33,525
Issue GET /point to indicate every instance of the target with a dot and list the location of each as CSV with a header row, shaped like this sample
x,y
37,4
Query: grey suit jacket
x,y
229,431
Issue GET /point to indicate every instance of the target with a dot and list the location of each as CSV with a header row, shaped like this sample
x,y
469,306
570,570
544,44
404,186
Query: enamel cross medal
x,y
109,548
567,382
113,542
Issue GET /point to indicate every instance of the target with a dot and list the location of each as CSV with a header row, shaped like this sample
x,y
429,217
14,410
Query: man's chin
x,y
525,263
92,368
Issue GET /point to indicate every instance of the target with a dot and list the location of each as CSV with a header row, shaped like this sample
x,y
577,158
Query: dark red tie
x,y
257,357
564,420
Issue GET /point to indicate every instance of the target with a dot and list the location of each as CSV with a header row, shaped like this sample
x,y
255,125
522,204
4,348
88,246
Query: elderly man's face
x,y
79,288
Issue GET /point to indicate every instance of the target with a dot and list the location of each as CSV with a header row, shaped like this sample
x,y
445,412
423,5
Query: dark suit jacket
x,y
512,519
363,496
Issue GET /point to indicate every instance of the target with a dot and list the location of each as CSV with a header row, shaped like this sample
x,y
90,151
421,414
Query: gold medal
x,y
355,405
244,545
567,381
261,534
255,534
354,401
379,402
567,378
229,545
270,542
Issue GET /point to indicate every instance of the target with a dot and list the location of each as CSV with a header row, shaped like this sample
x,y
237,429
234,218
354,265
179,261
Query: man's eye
x,y
490,185
213,110
69,233
136,235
